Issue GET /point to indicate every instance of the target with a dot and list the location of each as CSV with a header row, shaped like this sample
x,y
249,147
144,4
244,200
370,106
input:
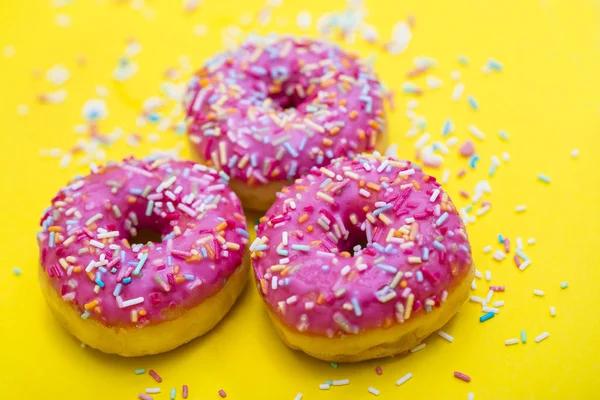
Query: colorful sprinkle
x,y
462,377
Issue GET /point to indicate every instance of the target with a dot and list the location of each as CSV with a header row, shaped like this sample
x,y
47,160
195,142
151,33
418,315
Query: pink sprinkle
x,y
464,194
156,377
378,370
517,261
184,391
143,396
467,149
506,245
497,288
462,377
222,393
461,173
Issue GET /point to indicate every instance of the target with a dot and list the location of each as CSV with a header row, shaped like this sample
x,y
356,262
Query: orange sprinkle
x,y
55,228
403,284
361,183
176,269
91,304
179,279
353,114
264,286
131,199
77,269
361,134
374,186
142,312
335,130
303,218
416,184
342,102
309,228
345,254
327,142
221,226
320,299
373,124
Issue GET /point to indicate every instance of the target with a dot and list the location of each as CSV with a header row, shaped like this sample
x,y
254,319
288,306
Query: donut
x,y
130,298
361,259
277,106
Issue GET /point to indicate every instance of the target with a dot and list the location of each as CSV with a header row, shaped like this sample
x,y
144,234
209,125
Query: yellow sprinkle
x,y
409,305
233,246
385,219
325,197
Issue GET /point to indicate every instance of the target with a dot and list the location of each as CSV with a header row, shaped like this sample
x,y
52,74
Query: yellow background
x,y
547,99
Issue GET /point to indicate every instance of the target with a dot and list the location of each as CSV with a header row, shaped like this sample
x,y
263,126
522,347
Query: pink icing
x,y
84,245
416,247
279,105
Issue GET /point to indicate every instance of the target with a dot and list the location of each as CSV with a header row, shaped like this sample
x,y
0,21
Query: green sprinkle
x,y
17,271
329,382
503,135
544,178
172,394
523,337
334,365
564,285
140,371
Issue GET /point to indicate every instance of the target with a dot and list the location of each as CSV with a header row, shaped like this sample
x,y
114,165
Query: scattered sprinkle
x,y
378,370
462,377
564,285
541,337
538,292
154,375
16,271
574,153
446,336
520,208
374,391
523,336
486,317
404,379
544,178
552,311
222,393
509,342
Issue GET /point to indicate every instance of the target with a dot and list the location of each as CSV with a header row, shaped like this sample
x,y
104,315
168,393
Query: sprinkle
x,y
378,370
499,255
446,336
152,390
499,303
544,178
495,65
140,371
404,379
364,193
340,382
132,302
564,285
470,396
575,153
487,316
222,393
541,337
143,396
509,342
473,103
552,311
458,91
298,396
140,264
462,377
523,336
538,292
520,208
373,391
333,364
172,393
16,271
301,247
184,391
476,132
324,386
487,249
531,241
488,275
154,375
418,347
441,219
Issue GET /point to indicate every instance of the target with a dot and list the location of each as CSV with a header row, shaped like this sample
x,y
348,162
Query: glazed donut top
x,y
315,274
279,105
85,249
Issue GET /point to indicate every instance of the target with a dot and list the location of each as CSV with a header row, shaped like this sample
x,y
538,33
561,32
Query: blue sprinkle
x,y
99,283
127,280
300,247
382,209
487,316
263,247
439,246
564,285
204,252
140,371
473,103
473,161
419,275
494,64
16,271
500,238
242,232
425,255
302,143
522,255
290,149
447,128
503,135
258,70
463,60
492,170
51,240
378,247
544,178
188,277
387,268
224,176
325,183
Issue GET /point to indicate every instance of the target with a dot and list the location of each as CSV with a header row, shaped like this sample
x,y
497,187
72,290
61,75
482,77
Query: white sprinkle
x,y
478,274
475,131
473,285
417,348
488,298
345,270
471,396
364,193
519,243
531,241
455,75
541,337
132,302
404,379
524,265
434,195
304,20
520,208
538,292
324,386
446,176
490,309
458,91
340,382
8,51
97,244
407,172
63,20
488,275
574,153
499,255
477,299
152,390
553,311
487,249
374,391
498,303
446,336
509,342
298,396
22,110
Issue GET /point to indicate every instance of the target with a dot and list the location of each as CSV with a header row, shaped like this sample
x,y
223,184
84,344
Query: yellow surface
x,y
546,99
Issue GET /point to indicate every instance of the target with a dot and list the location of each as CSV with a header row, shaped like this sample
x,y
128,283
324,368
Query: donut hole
x,y
287,102
357,241
145,235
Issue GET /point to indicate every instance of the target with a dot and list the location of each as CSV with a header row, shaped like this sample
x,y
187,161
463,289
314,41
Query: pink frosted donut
x,y
361,259
136,299
277,106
